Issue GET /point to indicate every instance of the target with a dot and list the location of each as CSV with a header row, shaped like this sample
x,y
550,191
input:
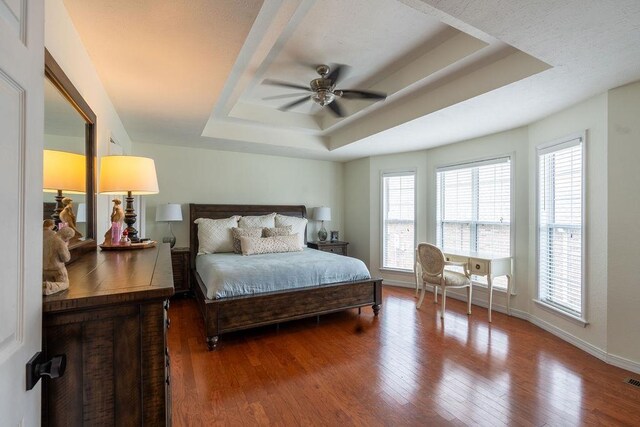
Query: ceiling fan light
x,y
323,97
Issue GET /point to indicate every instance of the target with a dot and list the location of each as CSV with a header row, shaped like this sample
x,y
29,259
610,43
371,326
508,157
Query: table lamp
x,y
323,214
63,171
81,216
135,176
169,212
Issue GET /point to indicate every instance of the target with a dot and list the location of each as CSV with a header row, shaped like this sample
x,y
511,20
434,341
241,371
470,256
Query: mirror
x,y
69,158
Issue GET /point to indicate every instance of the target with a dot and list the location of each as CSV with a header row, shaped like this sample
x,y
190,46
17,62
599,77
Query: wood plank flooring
x,y
405,367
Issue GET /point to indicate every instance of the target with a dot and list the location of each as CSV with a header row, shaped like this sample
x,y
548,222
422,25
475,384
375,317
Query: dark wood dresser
x,y
181,273
111,324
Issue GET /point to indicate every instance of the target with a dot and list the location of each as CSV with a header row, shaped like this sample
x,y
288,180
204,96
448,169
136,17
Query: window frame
x,y
391,173
475,162
546,148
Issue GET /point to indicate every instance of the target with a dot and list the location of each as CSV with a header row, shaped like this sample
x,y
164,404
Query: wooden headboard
x,y
225,211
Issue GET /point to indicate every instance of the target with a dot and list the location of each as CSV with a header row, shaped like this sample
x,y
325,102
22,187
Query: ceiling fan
x,y
323,91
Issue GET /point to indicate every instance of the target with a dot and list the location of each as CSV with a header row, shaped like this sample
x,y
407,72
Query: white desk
x,y
486,265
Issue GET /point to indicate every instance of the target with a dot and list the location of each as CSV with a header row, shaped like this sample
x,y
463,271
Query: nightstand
x,y
336,247
180,264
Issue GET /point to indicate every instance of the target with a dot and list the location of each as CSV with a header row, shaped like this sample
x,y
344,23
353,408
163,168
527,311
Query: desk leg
x,y
509,294
489,282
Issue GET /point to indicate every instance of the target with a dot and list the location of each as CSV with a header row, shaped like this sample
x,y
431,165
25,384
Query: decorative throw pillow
x,y
298,225
243,232
276,231
268,245
258,221
214,235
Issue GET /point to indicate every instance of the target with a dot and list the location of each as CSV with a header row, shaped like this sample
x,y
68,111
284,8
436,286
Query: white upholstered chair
x,y
430,268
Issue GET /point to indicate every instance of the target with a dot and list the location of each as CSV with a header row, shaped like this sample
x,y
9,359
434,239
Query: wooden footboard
x,y
236,313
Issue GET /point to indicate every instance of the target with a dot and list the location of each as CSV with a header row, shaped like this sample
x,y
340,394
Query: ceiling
x,y
190,73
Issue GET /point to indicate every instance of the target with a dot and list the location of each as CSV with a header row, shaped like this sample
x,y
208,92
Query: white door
x,y
21,135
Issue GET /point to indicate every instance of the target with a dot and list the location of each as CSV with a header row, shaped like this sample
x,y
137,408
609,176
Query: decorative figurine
x,y
112,236
125,241
55,253
117,214
69,217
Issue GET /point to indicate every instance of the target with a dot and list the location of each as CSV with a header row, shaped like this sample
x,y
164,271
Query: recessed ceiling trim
x,y
509,69
405,80
276,20
234,131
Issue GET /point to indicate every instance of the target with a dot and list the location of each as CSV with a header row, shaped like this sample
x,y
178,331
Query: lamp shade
x,y
121,174
81,216
169,212
64,171
322,213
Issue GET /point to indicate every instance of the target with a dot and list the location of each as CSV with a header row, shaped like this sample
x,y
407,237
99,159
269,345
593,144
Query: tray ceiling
x,y
190,73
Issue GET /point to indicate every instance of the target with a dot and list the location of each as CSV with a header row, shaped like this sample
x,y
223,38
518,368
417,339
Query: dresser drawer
x,y
335,250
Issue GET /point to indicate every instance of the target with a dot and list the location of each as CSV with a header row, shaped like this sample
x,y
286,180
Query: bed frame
x,y
244,312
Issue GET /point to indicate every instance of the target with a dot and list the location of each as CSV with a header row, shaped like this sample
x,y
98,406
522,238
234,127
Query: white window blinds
x,y
560,204
473,206
398,220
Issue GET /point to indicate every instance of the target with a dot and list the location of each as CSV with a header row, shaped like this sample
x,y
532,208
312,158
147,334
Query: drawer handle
x,y
477,266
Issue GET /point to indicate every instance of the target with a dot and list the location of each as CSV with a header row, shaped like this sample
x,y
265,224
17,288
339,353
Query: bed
x,y
226,311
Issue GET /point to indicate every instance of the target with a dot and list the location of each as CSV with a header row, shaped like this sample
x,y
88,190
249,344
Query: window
x,y
398,220
560,231
473,209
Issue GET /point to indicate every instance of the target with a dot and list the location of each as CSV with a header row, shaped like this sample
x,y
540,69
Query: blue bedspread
x,y
229,274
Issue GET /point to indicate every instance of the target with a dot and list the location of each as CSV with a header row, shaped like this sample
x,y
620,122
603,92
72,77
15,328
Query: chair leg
x,y
421,297
444,301
435,294
469,293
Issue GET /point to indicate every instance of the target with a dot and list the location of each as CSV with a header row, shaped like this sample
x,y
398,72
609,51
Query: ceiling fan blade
x,y
335,73
362,94
336,109
288,95
284,84
293,104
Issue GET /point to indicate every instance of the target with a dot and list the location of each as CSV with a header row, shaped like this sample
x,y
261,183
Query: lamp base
x,y
130,219
171,240
322,233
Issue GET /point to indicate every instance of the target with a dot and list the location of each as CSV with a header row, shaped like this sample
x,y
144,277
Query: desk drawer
x,y
478,266
456,258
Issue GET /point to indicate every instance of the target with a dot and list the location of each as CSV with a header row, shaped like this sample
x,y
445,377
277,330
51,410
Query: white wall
x,y
513,143
64,44
392,163
612,211
623,300
590,115
195,175
357,199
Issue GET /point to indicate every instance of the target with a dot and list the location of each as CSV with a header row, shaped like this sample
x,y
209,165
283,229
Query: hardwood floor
x,y
405,367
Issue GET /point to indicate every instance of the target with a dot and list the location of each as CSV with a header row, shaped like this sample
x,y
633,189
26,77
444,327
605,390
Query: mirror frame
x,y
53,72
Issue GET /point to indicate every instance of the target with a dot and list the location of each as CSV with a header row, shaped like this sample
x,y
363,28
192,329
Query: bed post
x,y
212,343
377,291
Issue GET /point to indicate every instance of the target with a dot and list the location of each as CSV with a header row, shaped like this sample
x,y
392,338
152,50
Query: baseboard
x,y
623,363
601,354
450,294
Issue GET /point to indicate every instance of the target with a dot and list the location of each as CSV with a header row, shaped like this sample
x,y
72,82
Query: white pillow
x,y
298,225
269,245
214,235
263,221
